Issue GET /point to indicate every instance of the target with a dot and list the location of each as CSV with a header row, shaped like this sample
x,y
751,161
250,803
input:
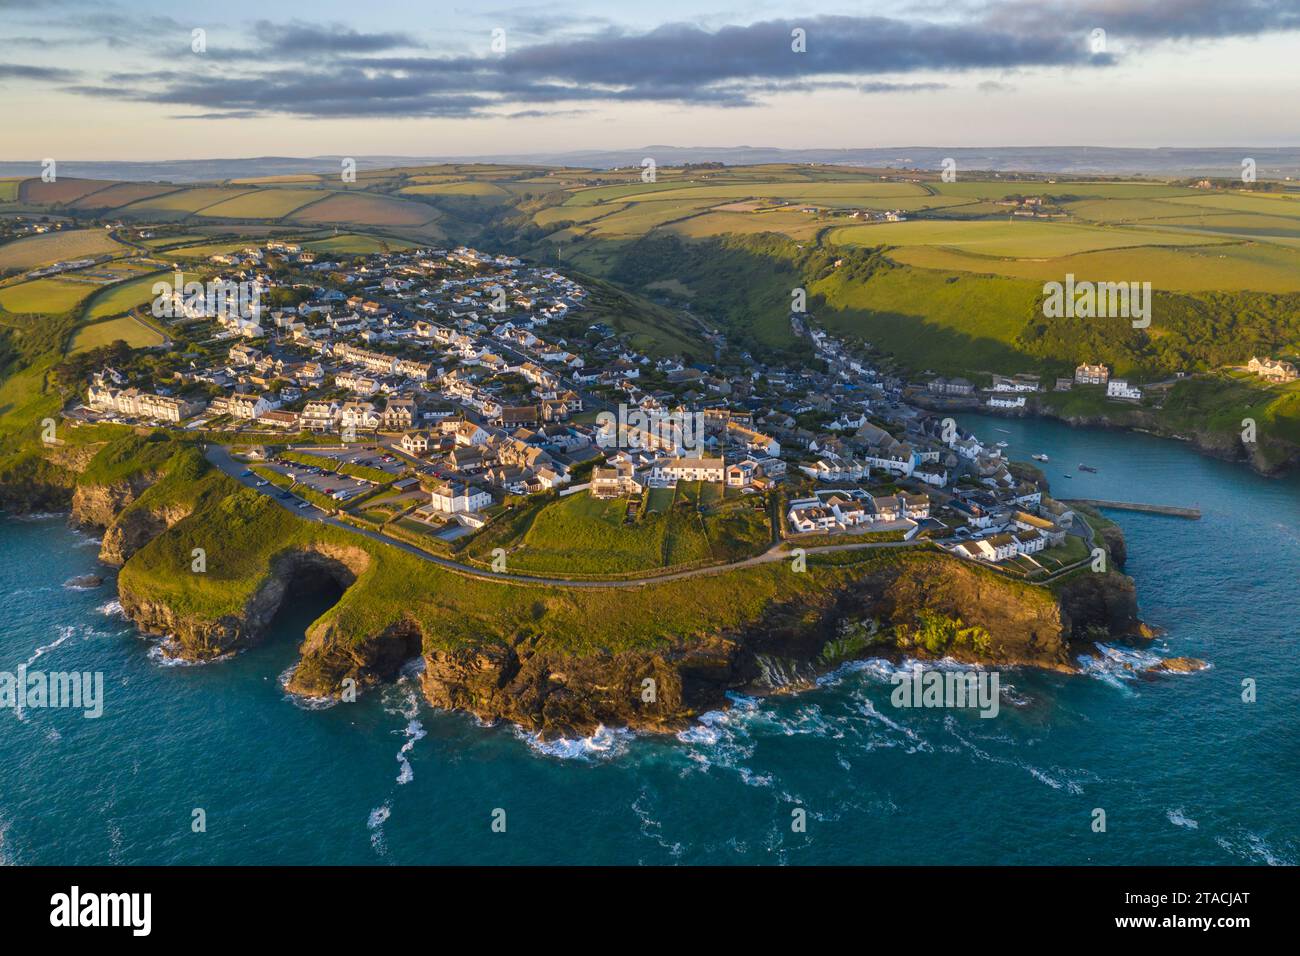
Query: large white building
x,y
458,497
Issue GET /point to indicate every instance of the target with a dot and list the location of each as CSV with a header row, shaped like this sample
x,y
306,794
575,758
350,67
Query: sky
x,y
88,80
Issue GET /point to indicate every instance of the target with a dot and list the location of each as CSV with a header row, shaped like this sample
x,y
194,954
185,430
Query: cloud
x,y
21,71
297,37
339,71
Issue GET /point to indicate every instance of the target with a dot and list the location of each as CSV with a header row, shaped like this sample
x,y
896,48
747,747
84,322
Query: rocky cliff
x,y
969,614
916,603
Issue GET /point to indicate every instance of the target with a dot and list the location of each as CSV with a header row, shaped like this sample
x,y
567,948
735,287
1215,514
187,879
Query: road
x,y
221,458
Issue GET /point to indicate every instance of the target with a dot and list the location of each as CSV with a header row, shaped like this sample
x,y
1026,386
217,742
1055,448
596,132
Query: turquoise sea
x,y
1186,772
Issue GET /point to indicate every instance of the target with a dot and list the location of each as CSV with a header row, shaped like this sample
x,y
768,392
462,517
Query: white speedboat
x,y
1039,457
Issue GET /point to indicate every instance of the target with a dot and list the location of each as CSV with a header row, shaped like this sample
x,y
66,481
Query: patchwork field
x,y
366,210
265,203
186,200
59,192
121,195
33,251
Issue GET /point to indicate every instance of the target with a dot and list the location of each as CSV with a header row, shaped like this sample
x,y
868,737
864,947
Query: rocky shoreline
x,y
1220,446
512,677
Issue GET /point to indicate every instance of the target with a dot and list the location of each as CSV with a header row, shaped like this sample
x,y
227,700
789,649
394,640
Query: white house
x,y
1119,388
458,497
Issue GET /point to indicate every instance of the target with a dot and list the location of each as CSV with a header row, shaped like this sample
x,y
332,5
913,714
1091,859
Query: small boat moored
x,y
1039,457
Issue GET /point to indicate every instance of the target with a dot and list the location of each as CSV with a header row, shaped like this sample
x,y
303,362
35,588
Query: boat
x,y
1069,476
1002,430
1083,467
1039,457
1002,444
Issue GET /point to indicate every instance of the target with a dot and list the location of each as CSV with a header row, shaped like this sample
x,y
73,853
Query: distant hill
x,y
1272,162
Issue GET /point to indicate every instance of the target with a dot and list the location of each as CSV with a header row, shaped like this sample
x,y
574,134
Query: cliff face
x,y
113,509
656,691
198,638
788,648
133,529
97,506
44,479
1093,603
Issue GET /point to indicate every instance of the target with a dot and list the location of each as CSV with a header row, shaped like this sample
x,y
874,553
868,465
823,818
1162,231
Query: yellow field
x,y
265,203
276,180
796,225
477,189
32,251
187,200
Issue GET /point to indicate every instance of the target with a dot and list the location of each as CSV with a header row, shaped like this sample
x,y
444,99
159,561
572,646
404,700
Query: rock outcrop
x,y
197,638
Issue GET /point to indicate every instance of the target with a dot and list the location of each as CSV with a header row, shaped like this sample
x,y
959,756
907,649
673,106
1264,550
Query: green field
x,y
1012,238
578,535
1255,266
478,190
127,295
136,334
356,244
44,296
978,189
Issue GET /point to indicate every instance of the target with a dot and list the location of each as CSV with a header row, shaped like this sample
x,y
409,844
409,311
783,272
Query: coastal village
x,y
428,392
